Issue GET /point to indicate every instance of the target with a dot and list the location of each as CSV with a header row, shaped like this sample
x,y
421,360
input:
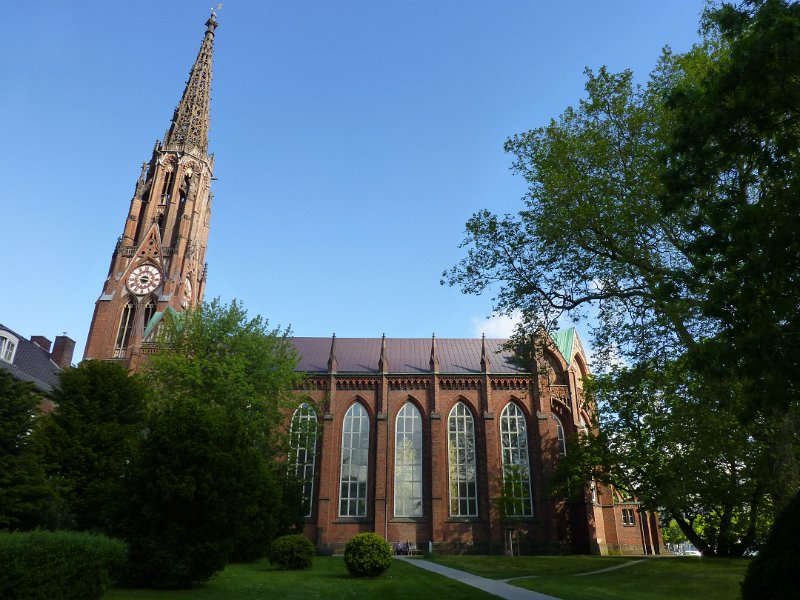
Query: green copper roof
x,y
155,319
564,340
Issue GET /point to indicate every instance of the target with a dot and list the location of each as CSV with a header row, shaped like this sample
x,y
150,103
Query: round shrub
x,y
367,555
291,552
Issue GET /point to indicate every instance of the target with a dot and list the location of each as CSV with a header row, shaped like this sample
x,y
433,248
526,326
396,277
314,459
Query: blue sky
x,y
353,140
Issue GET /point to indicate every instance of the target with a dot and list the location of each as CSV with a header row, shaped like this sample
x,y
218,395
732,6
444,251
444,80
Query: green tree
x,y
211,481
91,438
24,493
594,239
733,183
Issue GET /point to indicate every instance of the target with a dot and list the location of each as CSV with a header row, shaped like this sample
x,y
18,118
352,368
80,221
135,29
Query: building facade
x,y
440,443
450,444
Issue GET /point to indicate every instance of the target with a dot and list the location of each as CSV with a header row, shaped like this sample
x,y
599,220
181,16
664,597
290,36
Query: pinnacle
x,y
190,122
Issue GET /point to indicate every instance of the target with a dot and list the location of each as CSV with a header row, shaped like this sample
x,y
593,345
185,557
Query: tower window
x,y
516,466
166,191
149,311
125,328
303,451
408,462
461,453
355,462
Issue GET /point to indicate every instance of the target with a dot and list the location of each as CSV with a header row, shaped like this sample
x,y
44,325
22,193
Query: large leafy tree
x,y
594,238
210,482
91,438
24,493
733,182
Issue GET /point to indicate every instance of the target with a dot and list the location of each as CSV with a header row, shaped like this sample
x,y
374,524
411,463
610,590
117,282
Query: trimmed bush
x,y
58,564
291,552
773,574
367,555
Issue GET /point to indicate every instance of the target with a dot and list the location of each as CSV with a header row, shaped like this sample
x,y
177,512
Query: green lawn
x,y
648,579
327,579
503,567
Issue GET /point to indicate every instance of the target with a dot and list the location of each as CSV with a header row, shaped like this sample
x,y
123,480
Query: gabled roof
x,y
31,363
404,355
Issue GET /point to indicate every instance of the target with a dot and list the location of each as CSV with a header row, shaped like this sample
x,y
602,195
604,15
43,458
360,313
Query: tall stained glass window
x,y
355,462
408,462
461,453
303,451
516,464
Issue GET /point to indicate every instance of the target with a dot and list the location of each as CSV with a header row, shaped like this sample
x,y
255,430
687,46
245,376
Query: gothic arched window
x,y
517,501
461,468
408,462
303,451
125,328
355,463
149,311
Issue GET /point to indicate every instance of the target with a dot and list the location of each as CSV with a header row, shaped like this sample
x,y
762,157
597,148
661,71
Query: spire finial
x,y
383,361
434,362
486,364
332,363
190,122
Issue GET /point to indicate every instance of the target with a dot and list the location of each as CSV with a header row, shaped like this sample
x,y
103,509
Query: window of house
x,y
628,519
303,451
562,442
355,462
461,453
517,501
408,462
8,346
125,328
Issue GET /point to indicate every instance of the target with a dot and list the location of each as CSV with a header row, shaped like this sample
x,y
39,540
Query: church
x,y
435,444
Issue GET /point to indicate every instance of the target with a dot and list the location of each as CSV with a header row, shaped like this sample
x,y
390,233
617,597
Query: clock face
x,y
144,279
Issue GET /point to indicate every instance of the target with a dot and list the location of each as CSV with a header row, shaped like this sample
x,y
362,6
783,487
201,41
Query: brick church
x,y
443,443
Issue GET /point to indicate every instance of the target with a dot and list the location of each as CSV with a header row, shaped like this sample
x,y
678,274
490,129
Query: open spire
x,y
190,122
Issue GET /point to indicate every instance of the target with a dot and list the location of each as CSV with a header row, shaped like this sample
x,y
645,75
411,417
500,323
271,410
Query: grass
x,y
328,578
656,579
648,579
501,567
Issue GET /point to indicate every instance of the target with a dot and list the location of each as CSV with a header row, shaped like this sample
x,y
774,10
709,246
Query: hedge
x,y
58,564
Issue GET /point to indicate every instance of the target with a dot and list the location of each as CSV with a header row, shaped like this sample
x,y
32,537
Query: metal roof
x,y
404,355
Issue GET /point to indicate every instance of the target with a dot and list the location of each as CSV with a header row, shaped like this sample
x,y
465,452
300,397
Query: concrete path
x,y
496,588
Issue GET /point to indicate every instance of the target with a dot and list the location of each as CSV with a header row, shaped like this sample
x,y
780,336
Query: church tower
x,y
158,263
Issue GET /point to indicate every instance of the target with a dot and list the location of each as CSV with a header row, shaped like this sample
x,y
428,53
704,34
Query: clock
x,y
144,279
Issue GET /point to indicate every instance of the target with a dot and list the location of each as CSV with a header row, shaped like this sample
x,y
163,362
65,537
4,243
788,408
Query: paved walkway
x,y
496,588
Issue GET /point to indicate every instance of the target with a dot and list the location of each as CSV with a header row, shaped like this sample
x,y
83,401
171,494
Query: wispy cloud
x,y
496,326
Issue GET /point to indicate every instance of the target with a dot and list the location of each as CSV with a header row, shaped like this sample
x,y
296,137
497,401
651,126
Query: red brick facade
x,y
554,389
